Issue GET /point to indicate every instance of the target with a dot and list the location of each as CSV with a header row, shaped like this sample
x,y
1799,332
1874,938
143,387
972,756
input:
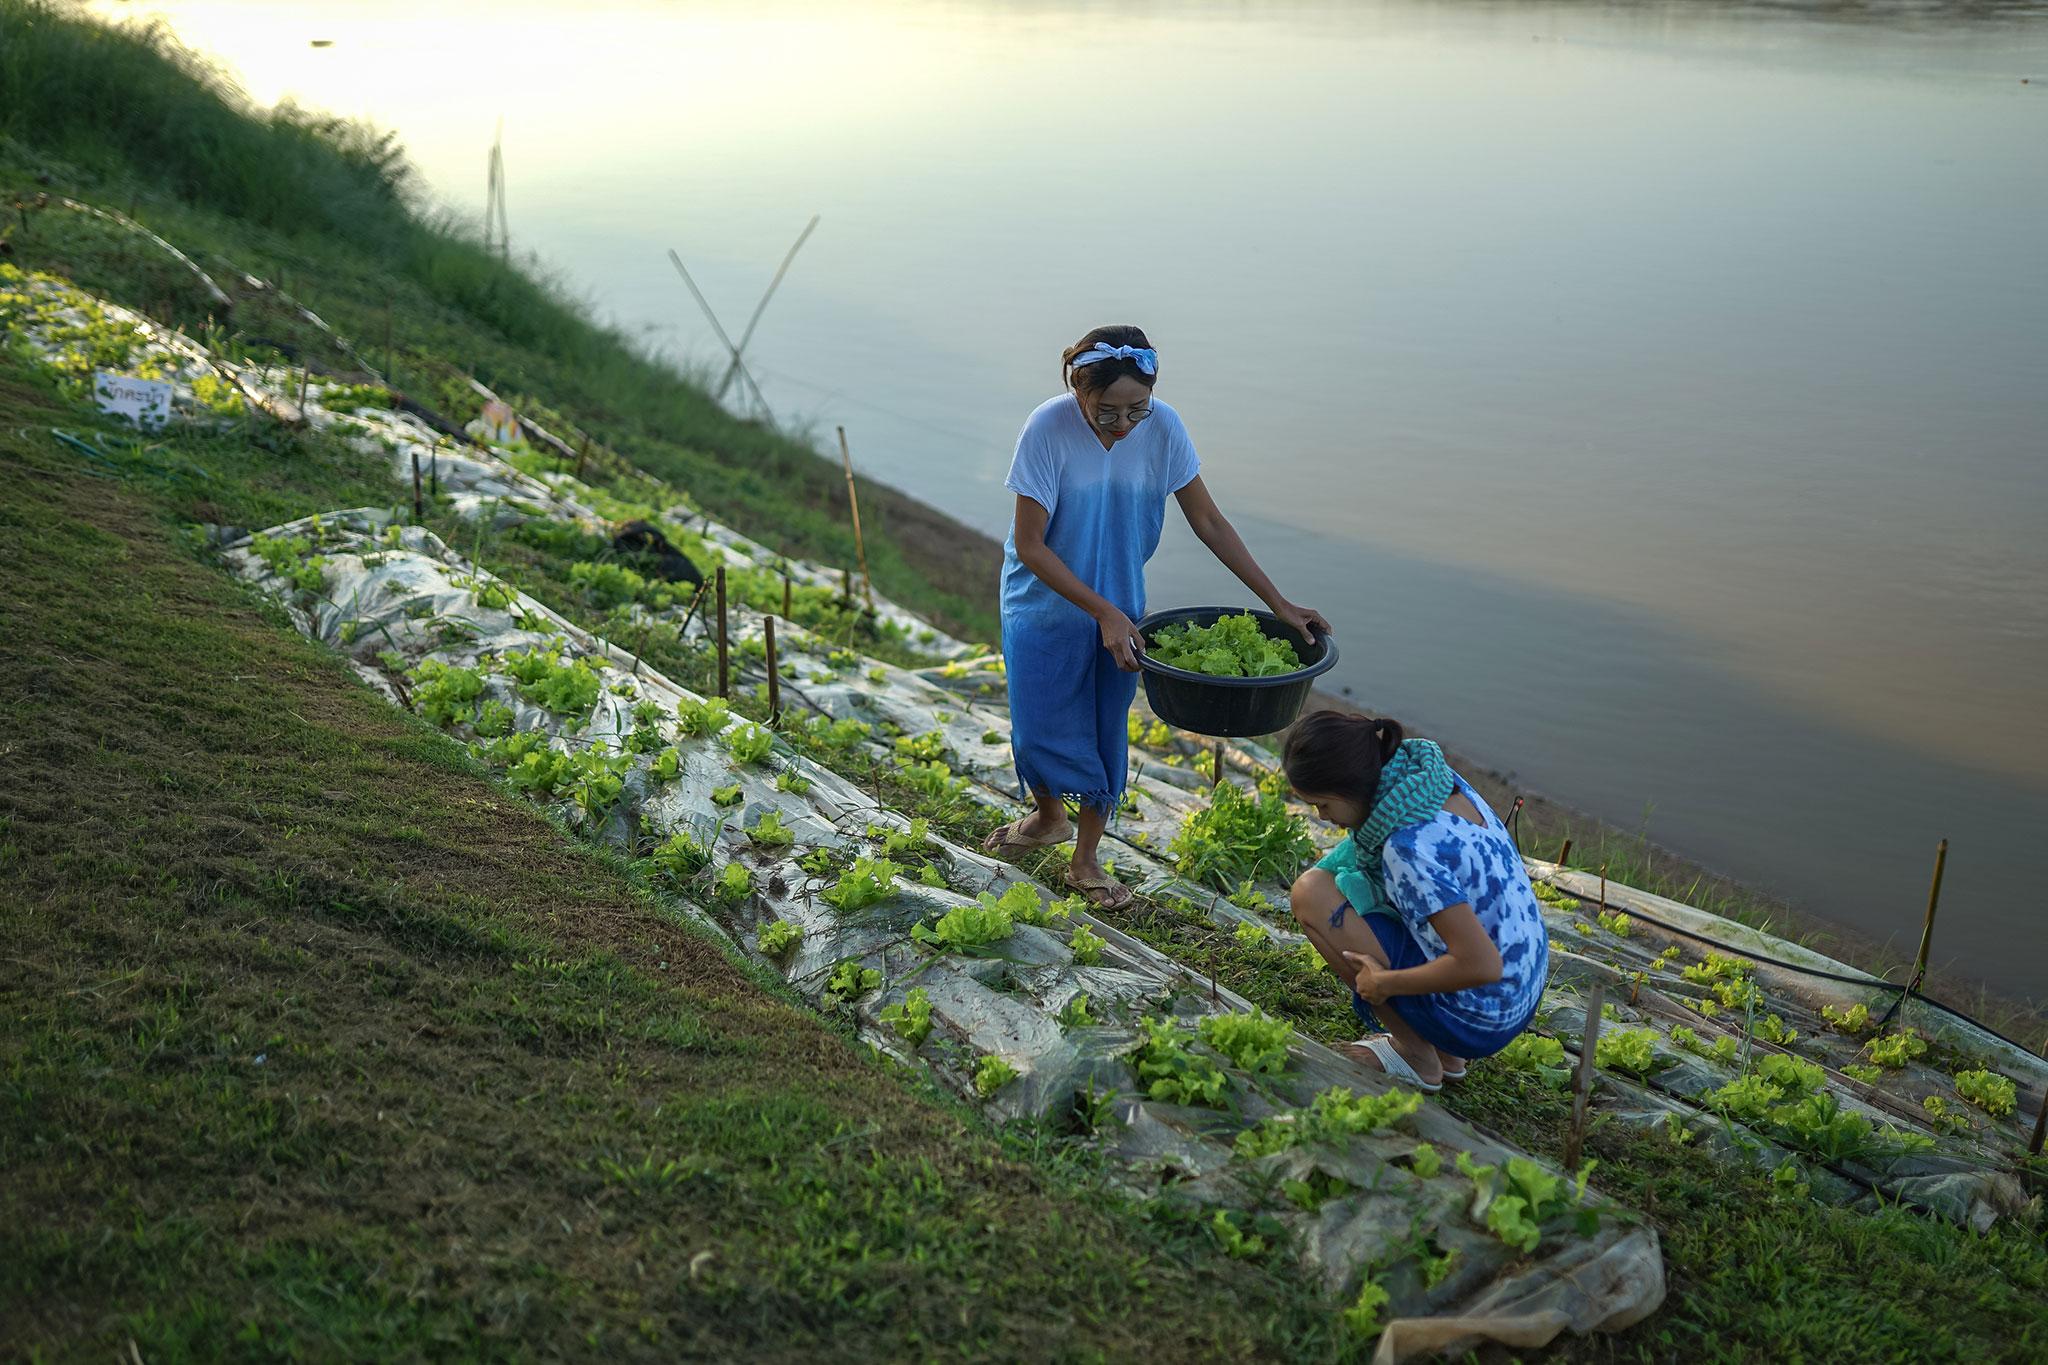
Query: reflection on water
x,y
1711,332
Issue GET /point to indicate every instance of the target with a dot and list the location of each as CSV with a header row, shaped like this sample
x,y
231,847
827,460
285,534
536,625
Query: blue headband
x,y
1145,356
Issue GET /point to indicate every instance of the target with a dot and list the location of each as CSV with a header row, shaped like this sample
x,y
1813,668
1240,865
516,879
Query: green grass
x,y
316,1042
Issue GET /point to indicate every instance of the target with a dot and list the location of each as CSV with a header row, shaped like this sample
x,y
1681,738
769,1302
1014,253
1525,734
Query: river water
x,y
1654,395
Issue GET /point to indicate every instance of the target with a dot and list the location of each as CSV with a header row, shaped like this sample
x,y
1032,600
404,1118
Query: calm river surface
x,y
1654,395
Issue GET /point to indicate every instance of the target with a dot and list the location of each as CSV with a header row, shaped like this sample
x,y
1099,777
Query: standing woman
x,y
1093,469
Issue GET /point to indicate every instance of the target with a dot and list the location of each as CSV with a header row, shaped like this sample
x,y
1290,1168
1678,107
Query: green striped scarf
x,y
1413,787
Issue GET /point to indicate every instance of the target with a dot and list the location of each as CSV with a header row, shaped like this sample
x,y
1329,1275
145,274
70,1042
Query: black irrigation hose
x,y
1866,981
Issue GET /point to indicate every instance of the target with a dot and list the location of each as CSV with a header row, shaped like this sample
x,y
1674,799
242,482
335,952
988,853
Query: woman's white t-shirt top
x,y
1105,508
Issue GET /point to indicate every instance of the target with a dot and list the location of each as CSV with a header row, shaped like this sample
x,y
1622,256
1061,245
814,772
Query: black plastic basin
x,y
1231,708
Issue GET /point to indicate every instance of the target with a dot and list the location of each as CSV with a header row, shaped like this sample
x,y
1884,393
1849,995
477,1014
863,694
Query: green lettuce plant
x,y
1171,1073
777,938
911,1017
1231,647
1989,1091
992,1075
870,881
1254,1041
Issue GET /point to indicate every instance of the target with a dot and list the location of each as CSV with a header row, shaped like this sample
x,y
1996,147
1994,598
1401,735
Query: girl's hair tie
x,y
1146,358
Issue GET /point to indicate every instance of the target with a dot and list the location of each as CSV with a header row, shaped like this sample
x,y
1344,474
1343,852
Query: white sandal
x,y
1381,1045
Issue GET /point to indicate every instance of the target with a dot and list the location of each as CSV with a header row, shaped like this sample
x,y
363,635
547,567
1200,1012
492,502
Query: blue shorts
x,y
1426,1013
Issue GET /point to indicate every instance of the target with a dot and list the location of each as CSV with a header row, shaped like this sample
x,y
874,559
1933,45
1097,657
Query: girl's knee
x,y
1313,895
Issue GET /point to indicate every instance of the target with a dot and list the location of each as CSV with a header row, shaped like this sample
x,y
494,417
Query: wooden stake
x,y
2040,1117
724,677
434,473
853,503
846,587
1216,754
1582,1083
1603,886
1927,928
419,511
774,674
582,455
1564,853
787,614
305,373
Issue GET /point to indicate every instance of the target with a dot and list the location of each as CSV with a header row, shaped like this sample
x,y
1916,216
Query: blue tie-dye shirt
x,y
1447,860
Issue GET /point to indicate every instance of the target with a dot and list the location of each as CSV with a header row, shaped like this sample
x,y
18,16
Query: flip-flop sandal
x,y
1457,1075
1085,885
1006,840
1381,1045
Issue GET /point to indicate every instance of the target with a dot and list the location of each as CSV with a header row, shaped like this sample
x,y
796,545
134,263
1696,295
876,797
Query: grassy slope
x,y
317,1041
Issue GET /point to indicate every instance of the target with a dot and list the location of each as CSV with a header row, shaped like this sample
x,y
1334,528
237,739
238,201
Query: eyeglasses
x,y
1106,417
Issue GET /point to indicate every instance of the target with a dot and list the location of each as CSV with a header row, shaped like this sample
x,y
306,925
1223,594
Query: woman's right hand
x,y
1120,637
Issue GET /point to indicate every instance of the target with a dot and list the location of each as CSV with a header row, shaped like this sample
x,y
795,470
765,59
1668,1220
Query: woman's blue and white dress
x,y
1069,702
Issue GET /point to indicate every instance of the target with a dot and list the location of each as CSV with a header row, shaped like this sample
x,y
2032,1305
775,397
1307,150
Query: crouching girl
x,y
1425,910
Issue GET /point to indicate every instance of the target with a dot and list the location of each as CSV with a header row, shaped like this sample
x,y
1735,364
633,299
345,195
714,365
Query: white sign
x,y
146,402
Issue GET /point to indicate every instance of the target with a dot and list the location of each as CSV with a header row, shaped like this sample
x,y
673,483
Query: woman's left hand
x,y
1371,984
1307,620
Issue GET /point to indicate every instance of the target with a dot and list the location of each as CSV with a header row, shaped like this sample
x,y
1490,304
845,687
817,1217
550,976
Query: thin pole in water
x,y
724,677
1582,1083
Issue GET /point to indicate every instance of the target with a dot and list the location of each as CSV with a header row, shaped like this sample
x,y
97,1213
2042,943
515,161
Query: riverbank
x,y
183,720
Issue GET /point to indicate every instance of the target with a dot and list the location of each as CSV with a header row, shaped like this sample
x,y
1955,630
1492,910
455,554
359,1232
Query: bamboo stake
x,y
724,676
1564,853
1603,886
1927,928
853,502
774,674
1582,1083
419,511
787,614
2040,1117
